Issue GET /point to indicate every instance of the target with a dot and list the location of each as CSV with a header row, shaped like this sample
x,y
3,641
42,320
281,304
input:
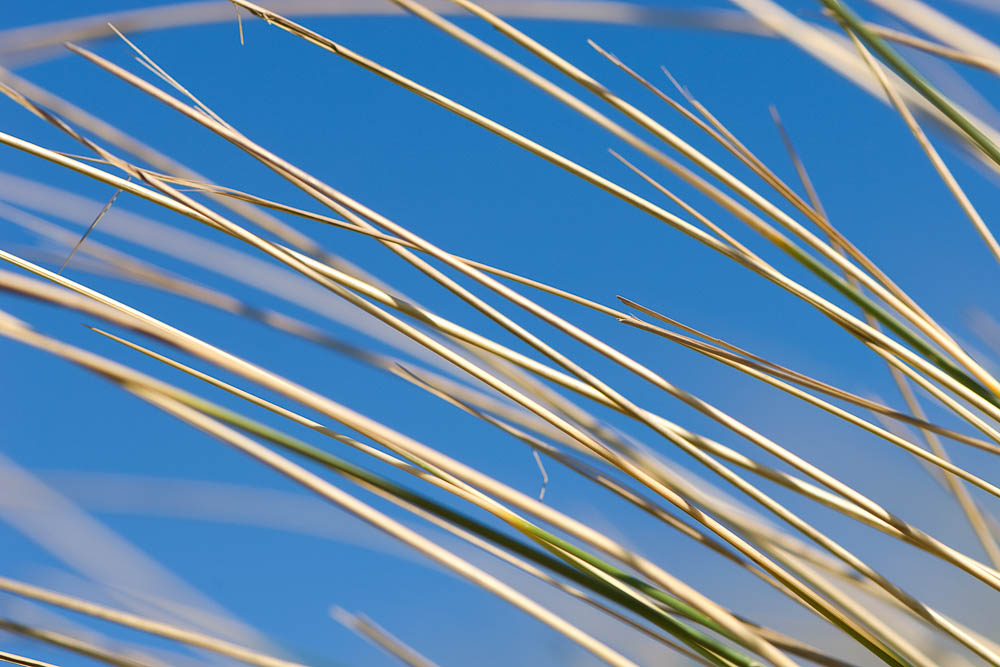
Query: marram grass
x,y
543,395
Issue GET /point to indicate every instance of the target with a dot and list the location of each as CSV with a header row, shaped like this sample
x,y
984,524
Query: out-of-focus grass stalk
x,y
522,397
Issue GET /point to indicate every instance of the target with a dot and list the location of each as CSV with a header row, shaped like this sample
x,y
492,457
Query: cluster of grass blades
x,y
526,369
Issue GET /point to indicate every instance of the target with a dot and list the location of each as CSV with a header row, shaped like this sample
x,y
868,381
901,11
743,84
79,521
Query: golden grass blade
x,y
731,142
394,440
350,205
444,481
15,659
743,358
843,414
150,64
217,258
651,507
714,447
543,576
690,210
374,430
655,510
156,394
837,240
633,471
894,297
764,535
829,309
799,647
584,469
737,151
436,478
938,363
288,258
601,479
837,314
239,23
898,376
800,168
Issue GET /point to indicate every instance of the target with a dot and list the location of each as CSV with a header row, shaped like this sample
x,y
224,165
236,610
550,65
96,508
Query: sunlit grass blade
x,y
146,625
338,412
893,296
16,659
74,644
345,468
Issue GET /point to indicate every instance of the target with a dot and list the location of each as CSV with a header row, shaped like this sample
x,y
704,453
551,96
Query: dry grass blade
x,y
792,483
155,394
935,158
647,505
394,441
966,502
938,24
935,48
367,513
743,357
83,238
76,357
218,356
36,42
75,645
835,313
381,637
437,477
239,23
930,434
151,65
151,156
892,296
146,625
526,372
857,421
517,397
835,51
780,510
718,131
15,659
527,304
964,384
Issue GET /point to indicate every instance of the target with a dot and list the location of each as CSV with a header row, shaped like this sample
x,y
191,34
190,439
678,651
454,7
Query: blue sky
x,y
478,196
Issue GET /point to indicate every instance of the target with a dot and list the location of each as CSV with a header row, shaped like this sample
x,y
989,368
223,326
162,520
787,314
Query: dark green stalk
x,y
698,641
848,18
890,322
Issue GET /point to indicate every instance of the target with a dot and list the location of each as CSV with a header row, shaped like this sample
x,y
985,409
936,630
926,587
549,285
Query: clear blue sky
x,y
478,196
